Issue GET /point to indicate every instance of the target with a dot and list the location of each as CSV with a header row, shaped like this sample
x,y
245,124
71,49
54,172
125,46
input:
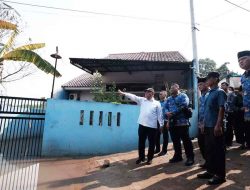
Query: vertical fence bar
x,y
9,158
13,159
5,156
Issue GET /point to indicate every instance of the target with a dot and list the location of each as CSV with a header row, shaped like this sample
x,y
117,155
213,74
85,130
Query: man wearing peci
x,y
150,114
244,62
213,131
202,85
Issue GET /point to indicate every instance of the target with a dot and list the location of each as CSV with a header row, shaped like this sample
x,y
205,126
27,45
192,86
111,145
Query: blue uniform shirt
x,y
202,106
174,105
163,109
215,99
245,81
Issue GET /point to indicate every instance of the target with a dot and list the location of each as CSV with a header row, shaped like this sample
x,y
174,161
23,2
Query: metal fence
x,y
21,133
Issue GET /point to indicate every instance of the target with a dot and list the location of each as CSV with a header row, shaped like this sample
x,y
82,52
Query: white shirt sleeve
x,y
134,98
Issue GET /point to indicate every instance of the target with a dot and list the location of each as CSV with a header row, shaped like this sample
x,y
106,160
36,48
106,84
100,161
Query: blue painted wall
x,y
64,136
61,94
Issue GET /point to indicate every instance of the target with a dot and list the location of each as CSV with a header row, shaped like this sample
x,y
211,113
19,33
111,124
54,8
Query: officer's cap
x,y
243,53
201,79
213,75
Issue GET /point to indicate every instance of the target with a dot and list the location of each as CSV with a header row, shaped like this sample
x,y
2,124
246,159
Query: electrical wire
x,y
126,16
223,13
98,13
238,6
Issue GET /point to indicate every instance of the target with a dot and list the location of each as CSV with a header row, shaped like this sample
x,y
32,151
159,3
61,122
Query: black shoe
x,y
189,162
156,151
242,147
140,160
149,162
162,153
216,180
229,144
203,166
205,175
175,159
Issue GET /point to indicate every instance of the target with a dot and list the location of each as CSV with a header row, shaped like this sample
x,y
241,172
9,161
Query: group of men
x,y
216,106
166,116
234,117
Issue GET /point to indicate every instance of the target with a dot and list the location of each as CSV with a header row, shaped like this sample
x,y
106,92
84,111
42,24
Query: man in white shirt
x,y
150,114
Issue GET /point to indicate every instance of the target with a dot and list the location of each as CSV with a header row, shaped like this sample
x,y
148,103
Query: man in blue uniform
x,y
201,137
244,62
178,125
163,130
213,130
240,132
229,115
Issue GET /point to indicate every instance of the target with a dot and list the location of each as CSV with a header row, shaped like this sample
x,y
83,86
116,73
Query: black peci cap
x,y
225,83
243,53
213,75
201,79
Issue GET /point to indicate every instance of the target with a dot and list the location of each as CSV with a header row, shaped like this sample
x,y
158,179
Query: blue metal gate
x,y
21,133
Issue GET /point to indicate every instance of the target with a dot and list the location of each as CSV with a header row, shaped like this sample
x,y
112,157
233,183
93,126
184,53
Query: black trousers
x,y
201,143
229,135
145,133
177,134
240,129
215,152
247,133
165,140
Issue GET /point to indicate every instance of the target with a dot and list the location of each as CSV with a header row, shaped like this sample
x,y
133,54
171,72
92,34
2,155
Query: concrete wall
x,y
65,135
86,95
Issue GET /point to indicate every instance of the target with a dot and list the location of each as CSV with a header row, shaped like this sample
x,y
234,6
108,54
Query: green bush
x,y
100,93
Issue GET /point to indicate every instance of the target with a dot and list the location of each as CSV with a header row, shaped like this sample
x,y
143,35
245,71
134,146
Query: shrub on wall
x,y
101,94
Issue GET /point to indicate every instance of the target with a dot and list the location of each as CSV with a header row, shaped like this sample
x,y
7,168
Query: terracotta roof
x,y
169,56
84,80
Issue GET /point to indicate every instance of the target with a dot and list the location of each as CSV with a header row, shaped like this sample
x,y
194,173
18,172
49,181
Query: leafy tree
x,y
98,88
206,65
223,70
23,53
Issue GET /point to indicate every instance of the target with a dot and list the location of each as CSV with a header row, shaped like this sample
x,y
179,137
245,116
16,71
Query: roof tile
x,y
84,80
171,56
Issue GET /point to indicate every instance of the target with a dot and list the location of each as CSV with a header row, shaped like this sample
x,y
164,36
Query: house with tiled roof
x,y
132,72
233,79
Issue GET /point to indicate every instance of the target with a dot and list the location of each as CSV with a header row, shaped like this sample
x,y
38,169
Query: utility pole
x,y
195,67
194,42
55,56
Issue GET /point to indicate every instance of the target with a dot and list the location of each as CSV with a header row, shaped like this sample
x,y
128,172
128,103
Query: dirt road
x,y
124,174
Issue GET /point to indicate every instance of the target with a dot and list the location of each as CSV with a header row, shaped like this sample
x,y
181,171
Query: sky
x,y
223,30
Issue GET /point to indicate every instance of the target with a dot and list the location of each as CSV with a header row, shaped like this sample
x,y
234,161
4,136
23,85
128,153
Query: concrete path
x,y
124,174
